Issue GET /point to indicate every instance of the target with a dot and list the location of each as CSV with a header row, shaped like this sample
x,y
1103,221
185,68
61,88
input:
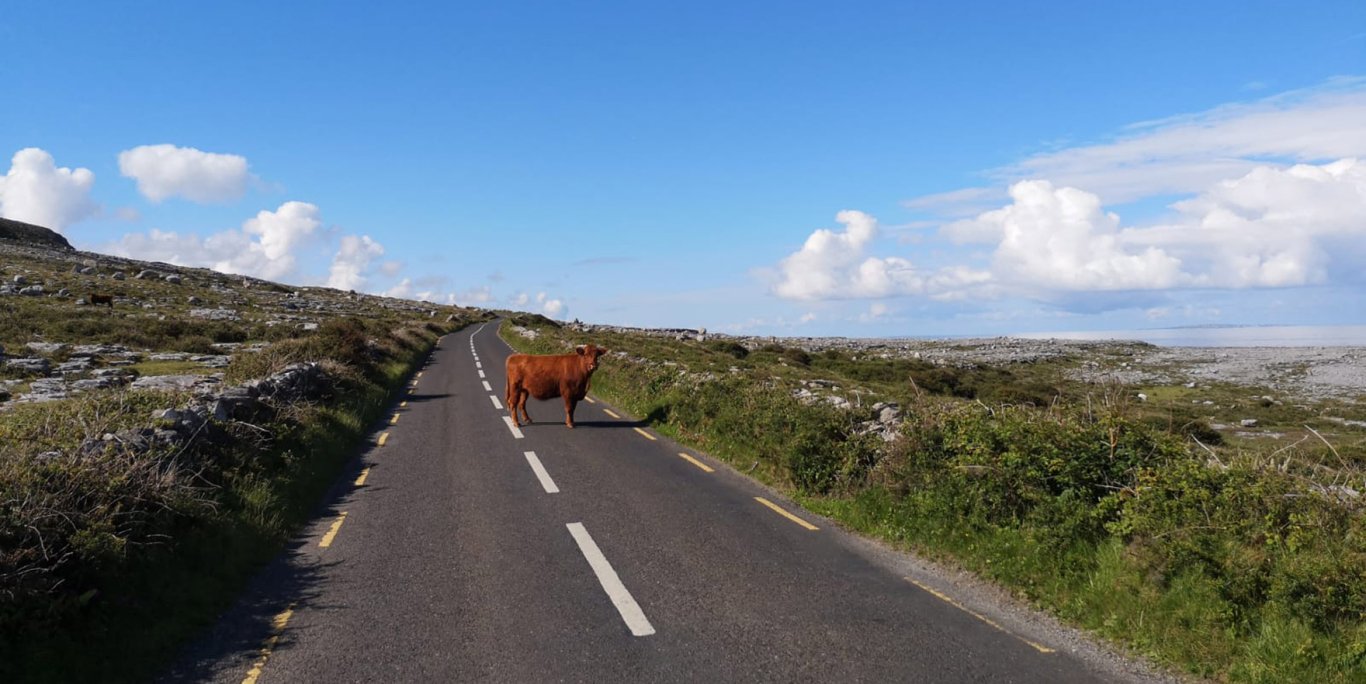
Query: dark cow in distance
x,y
98,299
547,376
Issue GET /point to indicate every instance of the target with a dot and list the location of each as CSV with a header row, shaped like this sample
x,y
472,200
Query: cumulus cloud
x,y
264,247
165,171
37,191
352,261
835,265
552,308
1269,227
1060,239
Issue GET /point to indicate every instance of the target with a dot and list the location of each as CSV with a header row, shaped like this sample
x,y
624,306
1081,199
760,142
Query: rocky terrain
x,y
56,343
1302,372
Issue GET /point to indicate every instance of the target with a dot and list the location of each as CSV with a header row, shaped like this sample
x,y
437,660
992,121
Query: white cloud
x,y
264,247
552,308
520,299
1269,227
403,290
475,296
352,261
165,171
833,265
1059,239
37,191
1187,154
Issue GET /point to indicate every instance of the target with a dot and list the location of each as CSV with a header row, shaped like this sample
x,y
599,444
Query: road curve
x,y
460,549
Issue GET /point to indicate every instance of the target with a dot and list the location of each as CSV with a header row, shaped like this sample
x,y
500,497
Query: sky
x,y
862,169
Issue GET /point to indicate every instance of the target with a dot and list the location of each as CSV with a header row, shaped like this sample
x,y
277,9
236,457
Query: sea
x,y
1226,336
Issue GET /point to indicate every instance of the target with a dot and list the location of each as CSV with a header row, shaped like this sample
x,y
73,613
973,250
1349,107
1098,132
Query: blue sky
x,y
976,168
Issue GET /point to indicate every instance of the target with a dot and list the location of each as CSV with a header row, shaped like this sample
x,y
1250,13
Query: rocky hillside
x,y
156,326
21,233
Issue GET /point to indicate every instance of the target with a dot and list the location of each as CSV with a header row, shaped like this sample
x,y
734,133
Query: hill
x,y
29,234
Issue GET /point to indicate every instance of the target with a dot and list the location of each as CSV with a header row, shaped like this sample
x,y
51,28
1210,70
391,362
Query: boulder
x,y
173,279
30,365
119,275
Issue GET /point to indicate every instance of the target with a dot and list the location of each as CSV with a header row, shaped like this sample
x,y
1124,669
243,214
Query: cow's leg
x,y
569,404
522,396
511,399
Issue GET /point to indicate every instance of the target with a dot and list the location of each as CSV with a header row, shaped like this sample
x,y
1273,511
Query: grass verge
x,y
136,551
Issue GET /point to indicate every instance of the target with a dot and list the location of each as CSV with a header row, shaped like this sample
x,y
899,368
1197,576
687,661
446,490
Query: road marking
x,y
621,598
383,438
785,514
496,404
590,400
403,404
277,627
332,533
646,435
516,432
541,473
609,412
394,420
478,365
419,374
699,464
487,386
363,474
1038,647
481,374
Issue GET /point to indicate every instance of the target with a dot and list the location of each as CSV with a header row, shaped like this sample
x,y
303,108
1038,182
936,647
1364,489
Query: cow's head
x,y
590,354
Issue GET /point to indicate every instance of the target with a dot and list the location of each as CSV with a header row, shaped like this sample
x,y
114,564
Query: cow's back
x,y
542,376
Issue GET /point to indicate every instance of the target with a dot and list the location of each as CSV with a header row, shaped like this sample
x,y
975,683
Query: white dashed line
x,y
621,598
481,374
541,474
496,404
516,432
478,365
487,386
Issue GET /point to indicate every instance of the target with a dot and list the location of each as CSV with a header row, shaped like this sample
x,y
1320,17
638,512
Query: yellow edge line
x,y
277,626
697,463
394,420
383,438
403,404
419,374
590,400
609,412
361,480
332,533
785,514
1038,647
646,435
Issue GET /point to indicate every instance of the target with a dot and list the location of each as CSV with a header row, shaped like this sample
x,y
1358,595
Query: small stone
x,y
1248,422
193,300
173,279
145,274
20,280
119,275
1142,396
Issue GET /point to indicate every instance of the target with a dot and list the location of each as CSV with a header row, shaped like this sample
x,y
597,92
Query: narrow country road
x,y
460,549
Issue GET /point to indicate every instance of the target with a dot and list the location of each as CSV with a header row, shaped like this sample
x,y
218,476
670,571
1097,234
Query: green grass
x,y
1090,504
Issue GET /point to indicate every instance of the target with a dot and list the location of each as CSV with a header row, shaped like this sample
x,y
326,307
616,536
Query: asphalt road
x,y
449,554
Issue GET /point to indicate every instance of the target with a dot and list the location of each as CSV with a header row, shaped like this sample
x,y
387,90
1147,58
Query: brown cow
x,y
547,376
98,299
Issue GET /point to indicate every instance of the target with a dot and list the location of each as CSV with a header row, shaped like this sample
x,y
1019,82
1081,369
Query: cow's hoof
x,y
569,425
